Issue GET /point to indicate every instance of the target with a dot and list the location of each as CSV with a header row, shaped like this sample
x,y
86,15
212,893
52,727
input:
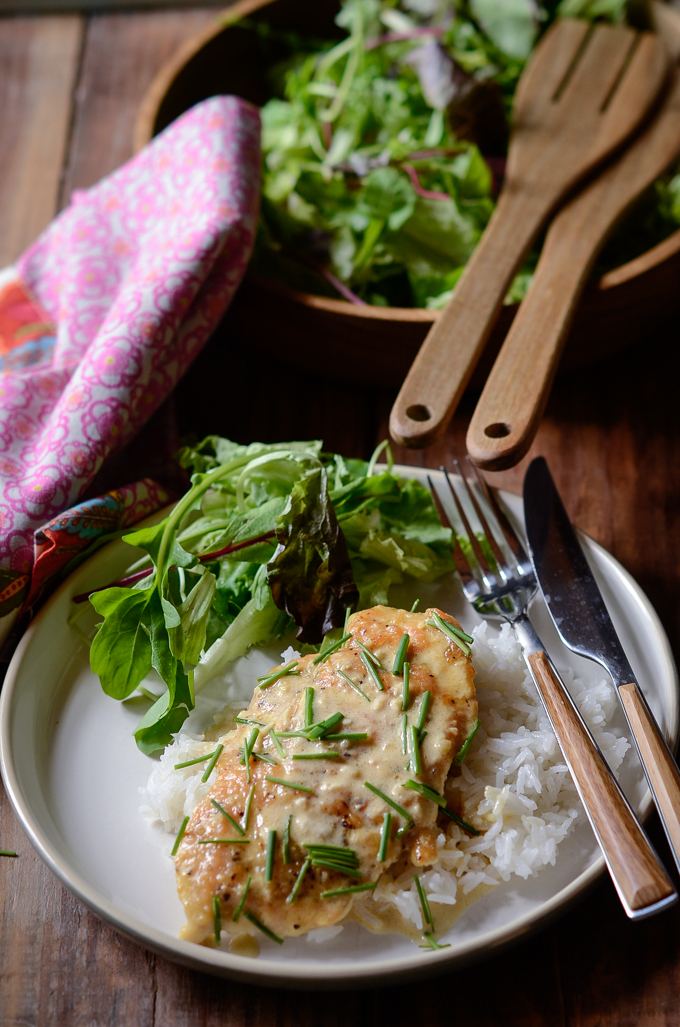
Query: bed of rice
x,y
514,784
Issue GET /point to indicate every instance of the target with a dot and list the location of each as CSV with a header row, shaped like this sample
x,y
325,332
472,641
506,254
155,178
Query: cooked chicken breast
x,y
321,796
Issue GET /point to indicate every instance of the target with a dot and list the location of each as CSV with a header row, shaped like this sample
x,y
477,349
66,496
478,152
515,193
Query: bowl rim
x,y
144,131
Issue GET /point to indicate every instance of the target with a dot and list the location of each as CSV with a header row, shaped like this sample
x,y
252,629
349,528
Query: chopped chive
x,y
248,749
373,672
224,841
242,901
390,802
348,614
462,753
245,720
414,750
291,734
338,850
309,707
368,654
9,852
271,850
234,823
340,868
190,763
298,882
461,823
430,942
211,766
384,837
406,690
288,784
180,835
268,679
404,734
286,839
425,704
348,736
400,655
426,792
261,927
330,755
427,912
348,891
321,729
354,686
323,656
277,744
217,918
415,606
456,635
246,812
264,758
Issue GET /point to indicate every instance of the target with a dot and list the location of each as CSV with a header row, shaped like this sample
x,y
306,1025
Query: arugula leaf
x,y
121,650
187,639
310,575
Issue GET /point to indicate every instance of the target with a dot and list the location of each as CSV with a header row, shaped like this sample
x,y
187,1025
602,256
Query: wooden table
x,y
69,89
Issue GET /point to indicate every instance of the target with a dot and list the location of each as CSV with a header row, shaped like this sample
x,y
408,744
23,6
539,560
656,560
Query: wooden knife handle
x,y
639,877
660,767
434,385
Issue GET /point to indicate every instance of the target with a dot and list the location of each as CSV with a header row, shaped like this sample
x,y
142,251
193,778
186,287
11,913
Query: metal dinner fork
x,y
498,580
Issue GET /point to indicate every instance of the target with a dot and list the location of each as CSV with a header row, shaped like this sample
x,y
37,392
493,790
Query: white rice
x,y
513,785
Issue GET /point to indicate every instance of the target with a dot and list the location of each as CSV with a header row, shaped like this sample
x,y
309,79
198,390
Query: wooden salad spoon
x,y
584,91
511,406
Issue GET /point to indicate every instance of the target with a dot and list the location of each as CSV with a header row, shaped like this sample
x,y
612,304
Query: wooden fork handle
x,y
510,408
438,377
660,767
638,876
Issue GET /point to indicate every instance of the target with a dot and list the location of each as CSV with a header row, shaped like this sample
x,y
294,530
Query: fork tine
x,y
491,538
463,567
509,532
487,572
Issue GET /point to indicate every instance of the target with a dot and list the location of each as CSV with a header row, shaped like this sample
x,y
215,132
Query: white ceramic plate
x,y
72,771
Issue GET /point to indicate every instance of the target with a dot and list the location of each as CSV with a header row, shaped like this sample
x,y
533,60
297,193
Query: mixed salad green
x,y
384,151
269,539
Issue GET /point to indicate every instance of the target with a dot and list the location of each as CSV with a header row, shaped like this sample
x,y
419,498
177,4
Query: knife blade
x,y
582,620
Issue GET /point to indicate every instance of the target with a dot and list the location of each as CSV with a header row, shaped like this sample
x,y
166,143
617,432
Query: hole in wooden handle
x,y
418,412
498,430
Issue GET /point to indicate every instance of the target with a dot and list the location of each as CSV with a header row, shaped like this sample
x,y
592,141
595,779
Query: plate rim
x,y
300,974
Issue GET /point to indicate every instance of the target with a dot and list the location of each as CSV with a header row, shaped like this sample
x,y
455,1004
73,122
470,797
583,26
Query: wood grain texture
x,y
514,396
121,55
612,437
635,870
38,65
579,98
660,766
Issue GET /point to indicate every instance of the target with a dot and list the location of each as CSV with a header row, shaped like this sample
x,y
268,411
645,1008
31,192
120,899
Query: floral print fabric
x,y
107,309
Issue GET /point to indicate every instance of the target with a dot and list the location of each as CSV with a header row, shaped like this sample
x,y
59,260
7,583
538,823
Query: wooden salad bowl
x,y
345,341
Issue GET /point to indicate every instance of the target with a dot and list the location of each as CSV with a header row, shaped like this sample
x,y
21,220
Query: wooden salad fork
x,y
511,406
584,91
501,587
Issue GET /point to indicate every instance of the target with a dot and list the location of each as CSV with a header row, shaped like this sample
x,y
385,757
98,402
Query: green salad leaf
x,y
383,151
268,541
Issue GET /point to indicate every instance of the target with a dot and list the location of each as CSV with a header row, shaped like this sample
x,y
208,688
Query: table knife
x,y
583,623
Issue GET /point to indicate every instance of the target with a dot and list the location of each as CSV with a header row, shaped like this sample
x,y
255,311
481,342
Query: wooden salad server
x,y
584,91
511,406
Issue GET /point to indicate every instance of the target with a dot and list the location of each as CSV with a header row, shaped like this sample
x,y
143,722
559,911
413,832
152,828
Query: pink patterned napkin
x,y
103,314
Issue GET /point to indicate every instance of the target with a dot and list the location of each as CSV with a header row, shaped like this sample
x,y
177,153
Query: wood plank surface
x,y
612,437
121,55
39,59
